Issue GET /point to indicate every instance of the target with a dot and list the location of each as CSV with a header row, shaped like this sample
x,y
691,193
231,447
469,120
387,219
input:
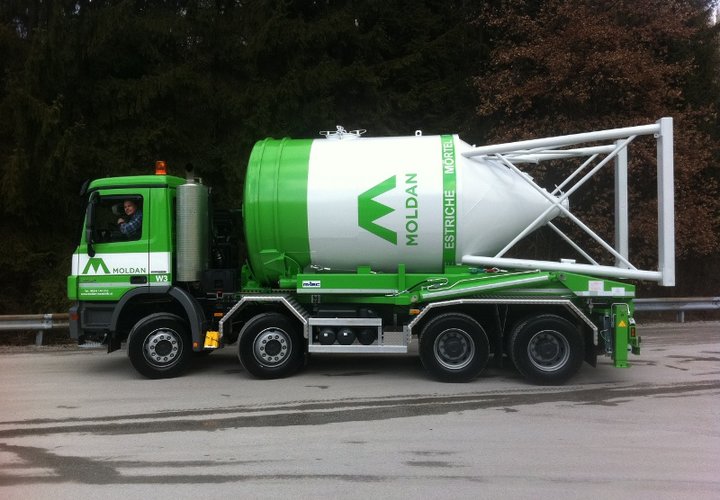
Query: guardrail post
x,y
681,317
37,323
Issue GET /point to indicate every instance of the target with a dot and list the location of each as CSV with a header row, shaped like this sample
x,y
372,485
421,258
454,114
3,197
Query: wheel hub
x,y
548,350
454,349
162,347
272,347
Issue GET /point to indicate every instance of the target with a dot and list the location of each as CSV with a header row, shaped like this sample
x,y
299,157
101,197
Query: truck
x,y
354,244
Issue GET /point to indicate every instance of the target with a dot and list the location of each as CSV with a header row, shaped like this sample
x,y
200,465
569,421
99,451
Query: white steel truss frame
x,y
566,147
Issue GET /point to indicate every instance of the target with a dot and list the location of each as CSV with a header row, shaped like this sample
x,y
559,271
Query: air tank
x,y
379,202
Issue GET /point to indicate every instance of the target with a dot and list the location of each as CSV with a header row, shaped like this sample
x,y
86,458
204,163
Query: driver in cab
x,y
131,224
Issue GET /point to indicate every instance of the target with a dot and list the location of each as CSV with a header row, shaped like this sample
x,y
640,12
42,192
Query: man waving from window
x,y
131,225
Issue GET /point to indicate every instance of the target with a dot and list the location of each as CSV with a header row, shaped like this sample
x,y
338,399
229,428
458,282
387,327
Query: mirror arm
x,y
90,224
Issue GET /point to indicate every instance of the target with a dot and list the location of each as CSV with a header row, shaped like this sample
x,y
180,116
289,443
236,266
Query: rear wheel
x,y
546,349
454,348
270,346
159,346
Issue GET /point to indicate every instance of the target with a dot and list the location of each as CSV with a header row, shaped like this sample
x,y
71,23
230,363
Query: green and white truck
x,y
349,244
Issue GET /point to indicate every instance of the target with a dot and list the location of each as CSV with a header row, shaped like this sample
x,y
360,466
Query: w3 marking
x,y
161,278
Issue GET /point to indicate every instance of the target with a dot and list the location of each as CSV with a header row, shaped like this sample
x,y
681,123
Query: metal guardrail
x,y
38,322
51,321
678,304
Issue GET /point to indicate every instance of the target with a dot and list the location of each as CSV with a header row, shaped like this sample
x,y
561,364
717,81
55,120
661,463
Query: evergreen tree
x,y
105,87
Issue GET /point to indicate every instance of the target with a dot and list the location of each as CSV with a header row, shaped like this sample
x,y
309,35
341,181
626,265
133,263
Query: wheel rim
x,y
272,347
548,350
162,348
454,349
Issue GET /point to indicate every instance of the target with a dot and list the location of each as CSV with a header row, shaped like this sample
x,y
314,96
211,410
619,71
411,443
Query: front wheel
x,y
546,349
159,346
454,348
270,346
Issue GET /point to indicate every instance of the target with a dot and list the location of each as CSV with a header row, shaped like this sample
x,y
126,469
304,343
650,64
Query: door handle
x,y
138,280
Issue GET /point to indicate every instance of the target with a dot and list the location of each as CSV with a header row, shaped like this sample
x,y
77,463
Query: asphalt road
x,y
82,424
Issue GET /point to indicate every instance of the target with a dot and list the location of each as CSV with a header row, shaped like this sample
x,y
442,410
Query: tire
x,y
270,346
546,349
454,348
159,346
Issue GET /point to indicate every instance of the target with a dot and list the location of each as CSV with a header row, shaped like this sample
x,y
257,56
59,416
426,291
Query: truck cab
x,y
117,278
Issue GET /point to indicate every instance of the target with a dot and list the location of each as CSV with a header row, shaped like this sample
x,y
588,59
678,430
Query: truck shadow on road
x,y
395,366
225,363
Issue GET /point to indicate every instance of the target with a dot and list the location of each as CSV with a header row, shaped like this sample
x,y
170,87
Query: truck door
x,y
113,256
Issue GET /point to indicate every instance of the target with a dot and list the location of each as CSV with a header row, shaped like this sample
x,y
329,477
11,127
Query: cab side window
x,y
118,218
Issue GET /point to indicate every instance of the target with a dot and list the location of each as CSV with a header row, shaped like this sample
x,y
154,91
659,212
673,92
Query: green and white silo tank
x,y
379,202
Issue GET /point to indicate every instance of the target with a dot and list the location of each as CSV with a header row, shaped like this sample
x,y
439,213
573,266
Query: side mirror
x,y
84,187
90,223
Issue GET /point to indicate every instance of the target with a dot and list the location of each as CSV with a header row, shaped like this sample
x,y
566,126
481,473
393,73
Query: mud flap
x,y
591,352
114,341
621,335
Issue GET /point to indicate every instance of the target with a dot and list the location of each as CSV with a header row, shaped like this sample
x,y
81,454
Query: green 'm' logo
x,y
370,210
96,263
